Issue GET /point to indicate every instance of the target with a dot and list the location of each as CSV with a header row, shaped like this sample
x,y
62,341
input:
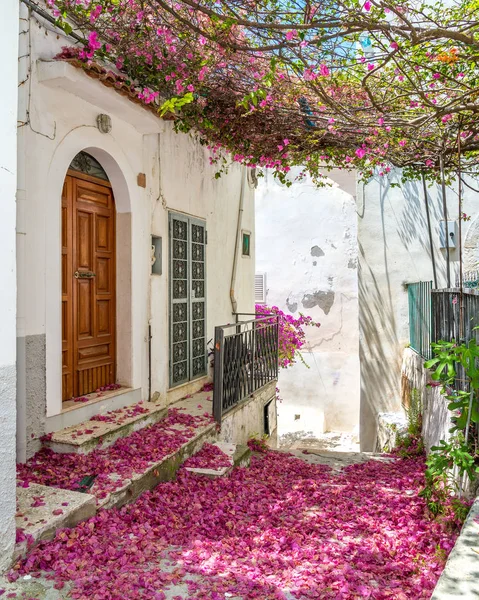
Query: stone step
x,y
238,455
157,472
41,510
104,429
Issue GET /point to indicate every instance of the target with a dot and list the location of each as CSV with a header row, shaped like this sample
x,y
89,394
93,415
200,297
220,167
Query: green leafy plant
x,y
463,401
411,443
453,460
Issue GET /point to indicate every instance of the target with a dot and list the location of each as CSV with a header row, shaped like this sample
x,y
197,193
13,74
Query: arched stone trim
x,y
122,180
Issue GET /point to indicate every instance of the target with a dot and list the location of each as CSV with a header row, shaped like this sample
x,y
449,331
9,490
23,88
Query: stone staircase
x,y
103,430
44,509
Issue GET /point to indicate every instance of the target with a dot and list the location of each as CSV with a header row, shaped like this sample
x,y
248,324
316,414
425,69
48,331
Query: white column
x,y
8,184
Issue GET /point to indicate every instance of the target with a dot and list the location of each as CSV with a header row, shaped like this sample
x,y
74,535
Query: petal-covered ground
x,y
282,528
128,455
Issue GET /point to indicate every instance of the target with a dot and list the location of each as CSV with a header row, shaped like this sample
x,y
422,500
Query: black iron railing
x,y
447,315
436,315
246,359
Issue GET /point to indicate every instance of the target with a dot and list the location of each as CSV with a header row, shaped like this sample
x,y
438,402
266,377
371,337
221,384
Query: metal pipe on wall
x,y
444,208
431,244
234,301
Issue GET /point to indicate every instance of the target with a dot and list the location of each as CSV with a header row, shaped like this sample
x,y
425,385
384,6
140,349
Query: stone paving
x,y
331,441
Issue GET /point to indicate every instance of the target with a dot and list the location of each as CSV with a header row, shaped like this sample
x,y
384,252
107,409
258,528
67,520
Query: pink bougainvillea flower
x,y
367,6
360,152
324,71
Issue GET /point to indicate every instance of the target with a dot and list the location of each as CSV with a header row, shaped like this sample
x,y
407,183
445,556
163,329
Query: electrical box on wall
x,y
450,233
156,257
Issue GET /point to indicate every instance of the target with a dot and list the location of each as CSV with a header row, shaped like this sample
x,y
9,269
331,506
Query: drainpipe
x,y
234,302
431,244
444,208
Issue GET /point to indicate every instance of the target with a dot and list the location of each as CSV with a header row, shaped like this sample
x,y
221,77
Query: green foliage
x,y
410,443
452,460
462,403
414,413
174,104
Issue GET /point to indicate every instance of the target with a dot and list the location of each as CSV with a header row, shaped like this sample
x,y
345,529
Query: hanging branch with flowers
x,y
352,84
291,333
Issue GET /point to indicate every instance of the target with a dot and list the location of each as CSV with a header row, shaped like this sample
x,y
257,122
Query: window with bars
x,y
187,281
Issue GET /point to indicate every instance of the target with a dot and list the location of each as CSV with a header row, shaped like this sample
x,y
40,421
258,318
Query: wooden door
x,y
88,285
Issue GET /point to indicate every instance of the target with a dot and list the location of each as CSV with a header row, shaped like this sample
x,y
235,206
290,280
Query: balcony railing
x,y
246,359
436,315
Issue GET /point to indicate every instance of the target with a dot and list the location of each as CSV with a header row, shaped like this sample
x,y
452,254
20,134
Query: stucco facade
x,y
307,247
394,250
8,172
153,172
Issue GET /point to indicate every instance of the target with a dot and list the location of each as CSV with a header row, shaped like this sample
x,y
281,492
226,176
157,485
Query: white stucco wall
x,y
393,251
8,174
306,245
63,105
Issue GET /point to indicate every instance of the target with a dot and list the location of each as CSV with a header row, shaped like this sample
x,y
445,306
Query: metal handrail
x,y
244,361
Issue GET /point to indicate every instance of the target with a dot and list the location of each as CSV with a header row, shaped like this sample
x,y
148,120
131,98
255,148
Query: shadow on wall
x,y
393,250
412,226
380,376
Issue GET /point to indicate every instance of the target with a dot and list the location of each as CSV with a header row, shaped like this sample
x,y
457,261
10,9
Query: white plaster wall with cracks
x,y
59,106
8,174
306,245
394,250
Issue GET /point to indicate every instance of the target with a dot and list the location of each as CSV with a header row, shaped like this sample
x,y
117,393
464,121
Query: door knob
x,y
84,275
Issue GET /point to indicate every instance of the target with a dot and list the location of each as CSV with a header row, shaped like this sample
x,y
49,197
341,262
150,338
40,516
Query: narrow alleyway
x,y
311,524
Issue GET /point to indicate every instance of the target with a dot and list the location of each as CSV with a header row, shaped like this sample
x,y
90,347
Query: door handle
x,y
83,275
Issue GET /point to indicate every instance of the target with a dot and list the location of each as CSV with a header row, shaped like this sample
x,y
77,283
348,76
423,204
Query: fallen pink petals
x,y
129,455
280,529
209,457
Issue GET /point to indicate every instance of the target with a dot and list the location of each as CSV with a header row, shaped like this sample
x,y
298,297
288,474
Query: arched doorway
x,y
88,279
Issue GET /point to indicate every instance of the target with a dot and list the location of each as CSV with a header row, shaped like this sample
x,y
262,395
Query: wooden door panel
x,y
95,194
103,321
84,309
103,276
93,353
91,301
103,230
83,240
